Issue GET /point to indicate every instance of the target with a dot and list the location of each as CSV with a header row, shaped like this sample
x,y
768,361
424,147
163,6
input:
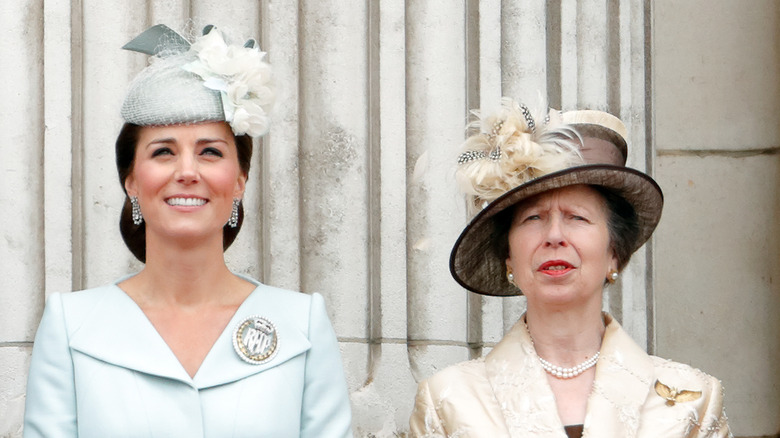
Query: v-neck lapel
x,y
520,387
288,311
115,330
112,328
623,379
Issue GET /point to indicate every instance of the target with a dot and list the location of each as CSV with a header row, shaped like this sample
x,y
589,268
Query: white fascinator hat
x,y
208,79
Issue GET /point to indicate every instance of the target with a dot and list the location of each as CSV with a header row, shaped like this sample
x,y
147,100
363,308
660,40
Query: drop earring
x,y
138,218
233,221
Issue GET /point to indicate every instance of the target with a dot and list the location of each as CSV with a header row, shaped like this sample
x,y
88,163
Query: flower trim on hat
x,y
510,148
241,76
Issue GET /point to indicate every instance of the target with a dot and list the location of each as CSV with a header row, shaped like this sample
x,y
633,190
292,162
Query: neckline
x,y
246,278
226,331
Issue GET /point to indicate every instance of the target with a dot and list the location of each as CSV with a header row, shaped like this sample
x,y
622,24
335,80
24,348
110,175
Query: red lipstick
x,y
555,268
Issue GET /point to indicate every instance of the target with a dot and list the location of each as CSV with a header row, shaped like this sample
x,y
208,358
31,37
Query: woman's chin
x,y
186,234
560,296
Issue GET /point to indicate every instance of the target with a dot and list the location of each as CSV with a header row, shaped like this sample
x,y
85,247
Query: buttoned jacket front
x,y
506,394
99,368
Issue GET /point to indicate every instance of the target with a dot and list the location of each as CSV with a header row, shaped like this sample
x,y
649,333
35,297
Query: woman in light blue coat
x,y
185,348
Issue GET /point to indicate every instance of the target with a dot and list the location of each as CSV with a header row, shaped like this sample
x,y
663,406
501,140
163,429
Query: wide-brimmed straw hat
x,y
478,261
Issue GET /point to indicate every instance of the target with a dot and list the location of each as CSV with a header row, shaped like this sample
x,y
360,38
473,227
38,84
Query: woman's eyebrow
x,y
211,140
162,140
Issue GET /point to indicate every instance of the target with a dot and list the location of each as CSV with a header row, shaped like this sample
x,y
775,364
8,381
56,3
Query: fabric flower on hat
x,y
241,76
250,118
510,148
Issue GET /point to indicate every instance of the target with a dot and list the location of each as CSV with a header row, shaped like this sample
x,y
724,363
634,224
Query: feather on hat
x,y
513,158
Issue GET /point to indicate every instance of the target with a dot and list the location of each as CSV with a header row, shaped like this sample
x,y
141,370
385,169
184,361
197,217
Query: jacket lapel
x,y
289,313
520,387
623,379
116,331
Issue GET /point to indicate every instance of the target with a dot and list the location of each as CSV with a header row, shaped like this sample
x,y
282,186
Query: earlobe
x,y
613,274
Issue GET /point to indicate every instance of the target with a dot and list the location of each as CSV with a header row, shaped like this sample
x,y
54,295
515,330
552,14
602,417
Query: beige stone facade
x,y
352,193
716,128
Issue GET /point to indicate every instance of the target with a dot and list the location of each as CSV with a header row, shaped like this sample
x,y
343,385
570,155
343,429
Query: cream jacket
x,y
506,394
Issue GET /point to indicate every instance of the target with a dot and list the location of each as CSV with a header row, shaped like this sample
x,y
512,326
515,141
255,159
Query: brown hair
x,y
622,223
135,235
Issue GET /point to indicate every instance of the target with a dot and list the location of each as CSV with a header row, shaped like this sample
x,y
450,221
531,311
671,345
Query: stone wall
x,y
716,127
352,193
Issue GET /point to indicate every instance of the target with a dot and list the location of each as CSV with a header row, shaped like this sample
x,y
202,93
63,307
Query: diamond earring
x,y
138,218
233,221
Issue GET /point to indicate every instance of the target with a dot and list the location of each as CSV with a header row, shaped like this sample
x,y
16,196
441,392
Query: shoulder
x,y
622,350
298,308
75,307
458,401
464,379
472,369
280,299
681,377
86,296
687,394
283,295
664,376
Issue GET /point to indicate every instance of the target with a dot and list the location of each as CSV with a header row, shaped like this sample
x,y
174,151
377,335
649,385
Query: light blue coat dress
x,y
100,369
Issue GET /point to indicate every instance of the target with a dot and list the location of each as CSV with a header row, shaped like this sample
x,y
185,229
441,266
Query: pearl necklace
x,y
561,372
568,373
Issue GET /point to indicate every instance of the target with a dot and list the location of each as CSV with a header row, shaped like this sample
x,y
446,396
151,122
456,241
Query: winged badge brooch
x,y
673,395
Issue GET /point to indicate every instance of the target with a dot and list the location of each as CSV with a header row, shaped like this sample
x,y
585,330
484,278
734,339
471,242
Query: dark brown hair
x,y
135,235
622,223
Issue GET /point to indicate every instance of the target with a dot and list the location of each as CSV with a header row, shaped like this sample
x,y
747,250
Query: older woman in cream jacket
x,y
559,216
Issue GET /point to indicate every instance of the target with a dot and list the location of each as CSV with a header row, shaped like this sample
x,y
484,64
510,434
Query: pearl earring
x,y
612,276
510,276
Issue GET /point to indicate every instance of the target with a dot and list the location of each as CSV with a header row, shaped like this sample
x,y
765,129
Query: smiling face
x,y
185,178
559,247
